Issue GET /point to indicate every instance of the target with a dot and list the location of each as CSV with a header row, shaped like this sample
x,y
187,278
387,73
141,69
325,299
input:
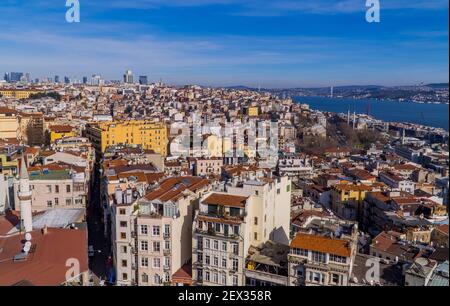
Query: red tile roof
x,y
225,200
322,244
46,266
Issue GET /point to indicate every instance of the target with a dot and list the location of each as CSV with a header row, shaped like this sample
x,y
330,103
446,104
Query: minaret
x,y
26,218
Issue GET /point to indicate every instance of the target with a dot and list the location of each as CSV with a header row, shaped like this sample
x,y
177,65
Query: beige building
x,y
152,236
9,124
54,186
228,224
322,260
208,166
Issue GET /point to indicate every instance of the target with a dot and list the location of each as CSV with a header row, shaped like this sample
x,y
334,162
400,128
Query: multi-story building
x,y
9,124
57,186
347,199
148,135
18,93
152,236
322,258
228,224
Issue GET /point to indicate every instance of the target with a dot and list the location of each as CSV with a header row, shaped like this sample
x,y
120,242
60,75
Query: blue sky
x,y
284,43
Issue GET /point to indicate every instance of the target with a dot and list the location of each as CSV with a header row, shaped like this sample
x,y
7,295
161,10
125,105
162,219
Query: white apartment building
x,y
227,224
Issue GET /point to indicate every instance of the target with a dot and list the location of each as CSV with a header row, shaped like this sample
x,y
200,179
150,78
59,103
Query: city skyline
x,y
225,43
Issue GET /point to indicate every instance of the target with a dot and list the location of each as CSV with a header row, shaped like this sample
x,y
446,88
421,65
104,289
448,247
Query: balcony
x,y
166,252
166,235
166,267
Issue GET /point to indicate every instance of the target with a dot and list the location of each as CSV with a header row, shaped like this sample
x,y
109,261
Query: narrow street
x,y
97,240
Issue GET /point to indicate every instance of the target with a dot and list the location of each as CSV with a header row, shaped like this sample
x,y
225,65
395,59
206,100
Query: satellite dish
x,y
27,247
28,237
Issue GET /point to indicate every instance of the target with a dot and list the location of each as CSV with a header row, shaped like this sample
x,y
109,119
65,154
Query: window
x,y
207,260
339,259
166,245
215,277
144,278
278,191
122,211
144,229
335,278
216,261
235,264
124,276
167,261
318,257
300,252
56,201
200,274
124,263
49,188
68,202
299,272
200,257
255,235
256,193
144,262
156,231
224,246
200,243
236,229
67,188
123,235
207,276
156,262
235,280
217,227
124,249
156,246
157,279
123,224
49,204
144,245
224,263
216,245
235,248
207,244
56,189
223,279
167,229
256,221
317,277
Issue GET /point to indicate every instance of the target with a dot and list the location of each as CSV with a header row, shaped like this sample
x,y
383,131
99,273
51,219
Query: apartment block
x,y
228,224
148,135
153,235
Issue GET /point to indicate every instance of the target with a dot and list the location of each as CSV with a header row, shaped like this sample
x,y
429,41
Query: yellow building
x,y
253,111
60,131
18,93
347,198
149,135
9,124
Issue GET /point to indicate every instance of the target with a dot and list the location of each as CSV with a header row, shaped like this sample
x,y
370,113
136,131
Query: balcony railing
x,y
166,252
166,267
166,235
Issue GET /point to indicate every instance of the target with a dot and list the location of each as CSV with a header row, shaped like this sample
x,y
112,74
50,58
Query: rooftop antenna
x,y
331,92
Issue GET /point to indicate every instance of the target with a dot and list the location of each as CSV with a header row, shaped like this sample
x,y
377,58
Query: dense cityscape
x,y
134,183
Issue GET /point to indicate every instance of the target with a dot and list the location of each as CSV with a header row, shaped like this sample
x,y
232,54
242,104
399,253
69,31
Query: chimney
x,y
119,196
44,230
